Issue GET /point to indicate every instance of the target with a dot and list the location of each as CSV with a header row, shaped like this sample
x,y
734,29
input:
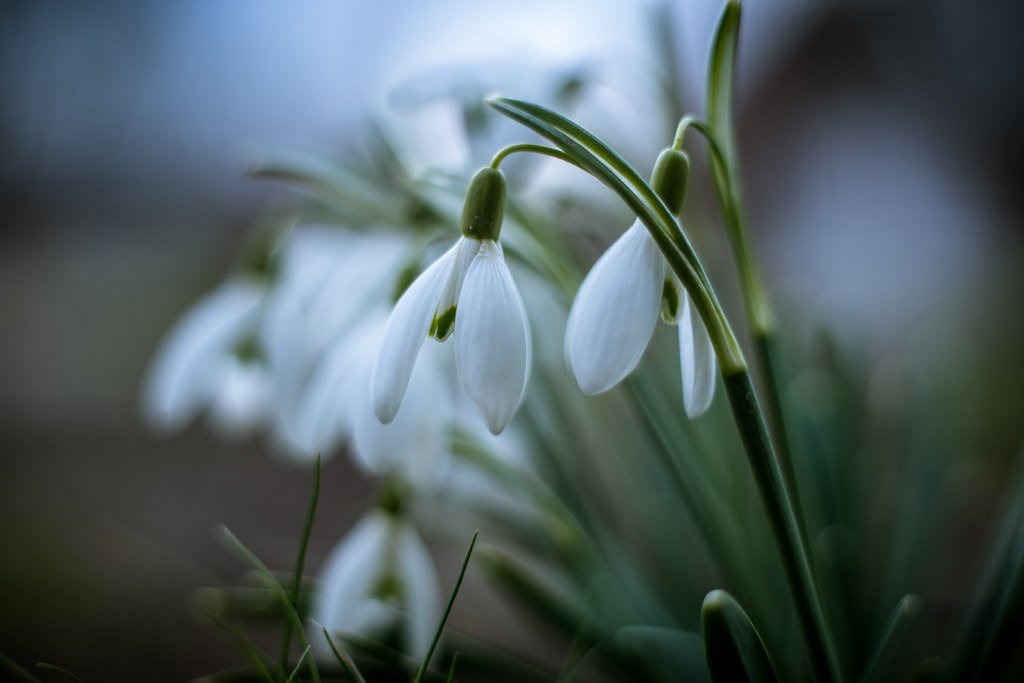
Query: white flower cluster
x,y
314,349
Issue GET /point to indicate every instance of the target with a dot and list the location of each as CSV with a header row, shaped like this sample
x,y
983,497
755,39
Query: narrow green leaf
x,y
894,636
447,610
451,669
58,670
343,657
721,75
732,646
17,671
235,544
307,529
260,660
325,181
298,665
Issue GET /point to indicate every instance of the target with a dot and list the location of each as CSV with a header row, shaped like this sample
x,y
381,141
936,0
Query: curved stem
x,y
504,152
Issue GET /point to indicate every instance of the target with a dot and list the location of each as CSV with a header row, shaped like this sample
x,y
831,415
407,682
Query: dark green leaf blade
x,y
732,646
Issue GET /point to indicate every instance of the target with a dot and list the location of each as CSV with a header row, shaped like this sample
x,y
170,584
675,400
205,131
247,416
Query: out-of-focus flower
x,y
378,579
469,288
212,359
614,314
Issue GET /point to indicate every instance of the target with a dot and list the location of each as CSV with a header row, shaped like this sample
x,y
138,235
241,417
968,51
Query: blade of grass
x,y
447,610
260,660
235,544
17,671
307,528
451,669
894,636
58,670
344,658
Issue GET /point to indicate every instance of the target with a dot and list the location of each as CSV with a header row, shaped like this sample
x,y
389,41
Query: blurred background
x,y
882,158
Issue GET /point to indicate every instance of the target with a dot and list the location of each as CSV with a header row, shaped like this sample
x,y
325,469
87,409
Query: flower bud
x,y
669,178
485,205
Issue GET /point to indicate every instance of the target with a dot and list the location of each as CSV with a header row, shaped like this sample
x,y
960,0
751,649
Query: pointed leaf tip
x,y
732,646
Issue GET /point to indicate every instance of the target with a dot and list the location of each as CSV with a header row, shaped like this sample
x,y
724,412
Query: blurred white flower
x,y
379,578
613,316
212,359
469,288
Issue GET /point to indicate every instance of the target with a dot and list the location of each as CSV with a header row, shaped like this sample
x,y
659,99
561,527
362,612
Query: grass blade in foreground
x,y
447,611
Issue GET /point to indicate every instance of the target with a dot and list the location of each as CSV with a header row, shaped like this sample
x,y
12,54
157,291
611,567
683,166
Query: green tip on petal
x,y
485,205
441,326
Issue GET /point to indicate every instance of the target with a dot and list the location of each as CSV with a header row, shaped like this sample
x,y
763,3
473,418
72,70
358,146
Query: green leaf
x,y
300,560
721,75
233,543
732,646
893,638
447,610
344,659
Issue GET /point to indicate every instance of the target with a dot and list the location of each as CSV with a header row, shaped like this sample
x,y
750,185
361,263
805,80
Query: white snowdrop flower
x,y
469,290
330,283
379,577
211,358
613,316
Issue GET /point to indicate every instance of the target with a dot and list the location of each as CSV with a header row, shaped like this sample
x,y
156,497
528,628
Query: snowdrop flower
x,y
469,290
378,578
212,360
617,307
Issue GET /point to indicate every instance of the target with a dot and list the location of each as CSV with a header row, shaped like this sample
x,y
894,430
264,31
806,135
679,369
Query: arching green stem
x,y
532,149
595,157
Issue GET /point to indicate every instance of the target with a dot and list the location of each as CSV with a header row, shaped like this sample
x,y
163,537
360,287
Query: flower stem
x,y
784,524
500,155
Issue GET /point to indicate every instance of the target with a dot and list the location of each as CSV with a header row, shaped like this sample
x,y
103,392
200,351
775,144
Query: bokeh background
x,y
882,151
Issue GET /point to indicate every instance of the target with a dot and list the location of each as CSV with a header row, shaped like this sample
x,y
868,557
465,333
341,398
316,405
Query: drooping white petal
x,y
444,320
178,383
421,589
492,338
406,330
696,361
350,572
414,444
613,316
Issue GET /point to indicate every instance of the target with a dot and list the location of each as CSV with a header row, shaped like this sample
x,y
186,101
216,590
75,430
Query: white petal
x,y
492,339
422,589
444,320
415,442
615,311
351,570
696,361
177,385
406,330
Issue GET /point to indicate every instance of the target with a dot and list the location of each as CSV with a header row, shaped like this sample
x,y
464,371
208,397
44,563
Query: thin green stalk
x,y
286,641
533,149
235,544
782,519
765,347
892,639
344,659
447,610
